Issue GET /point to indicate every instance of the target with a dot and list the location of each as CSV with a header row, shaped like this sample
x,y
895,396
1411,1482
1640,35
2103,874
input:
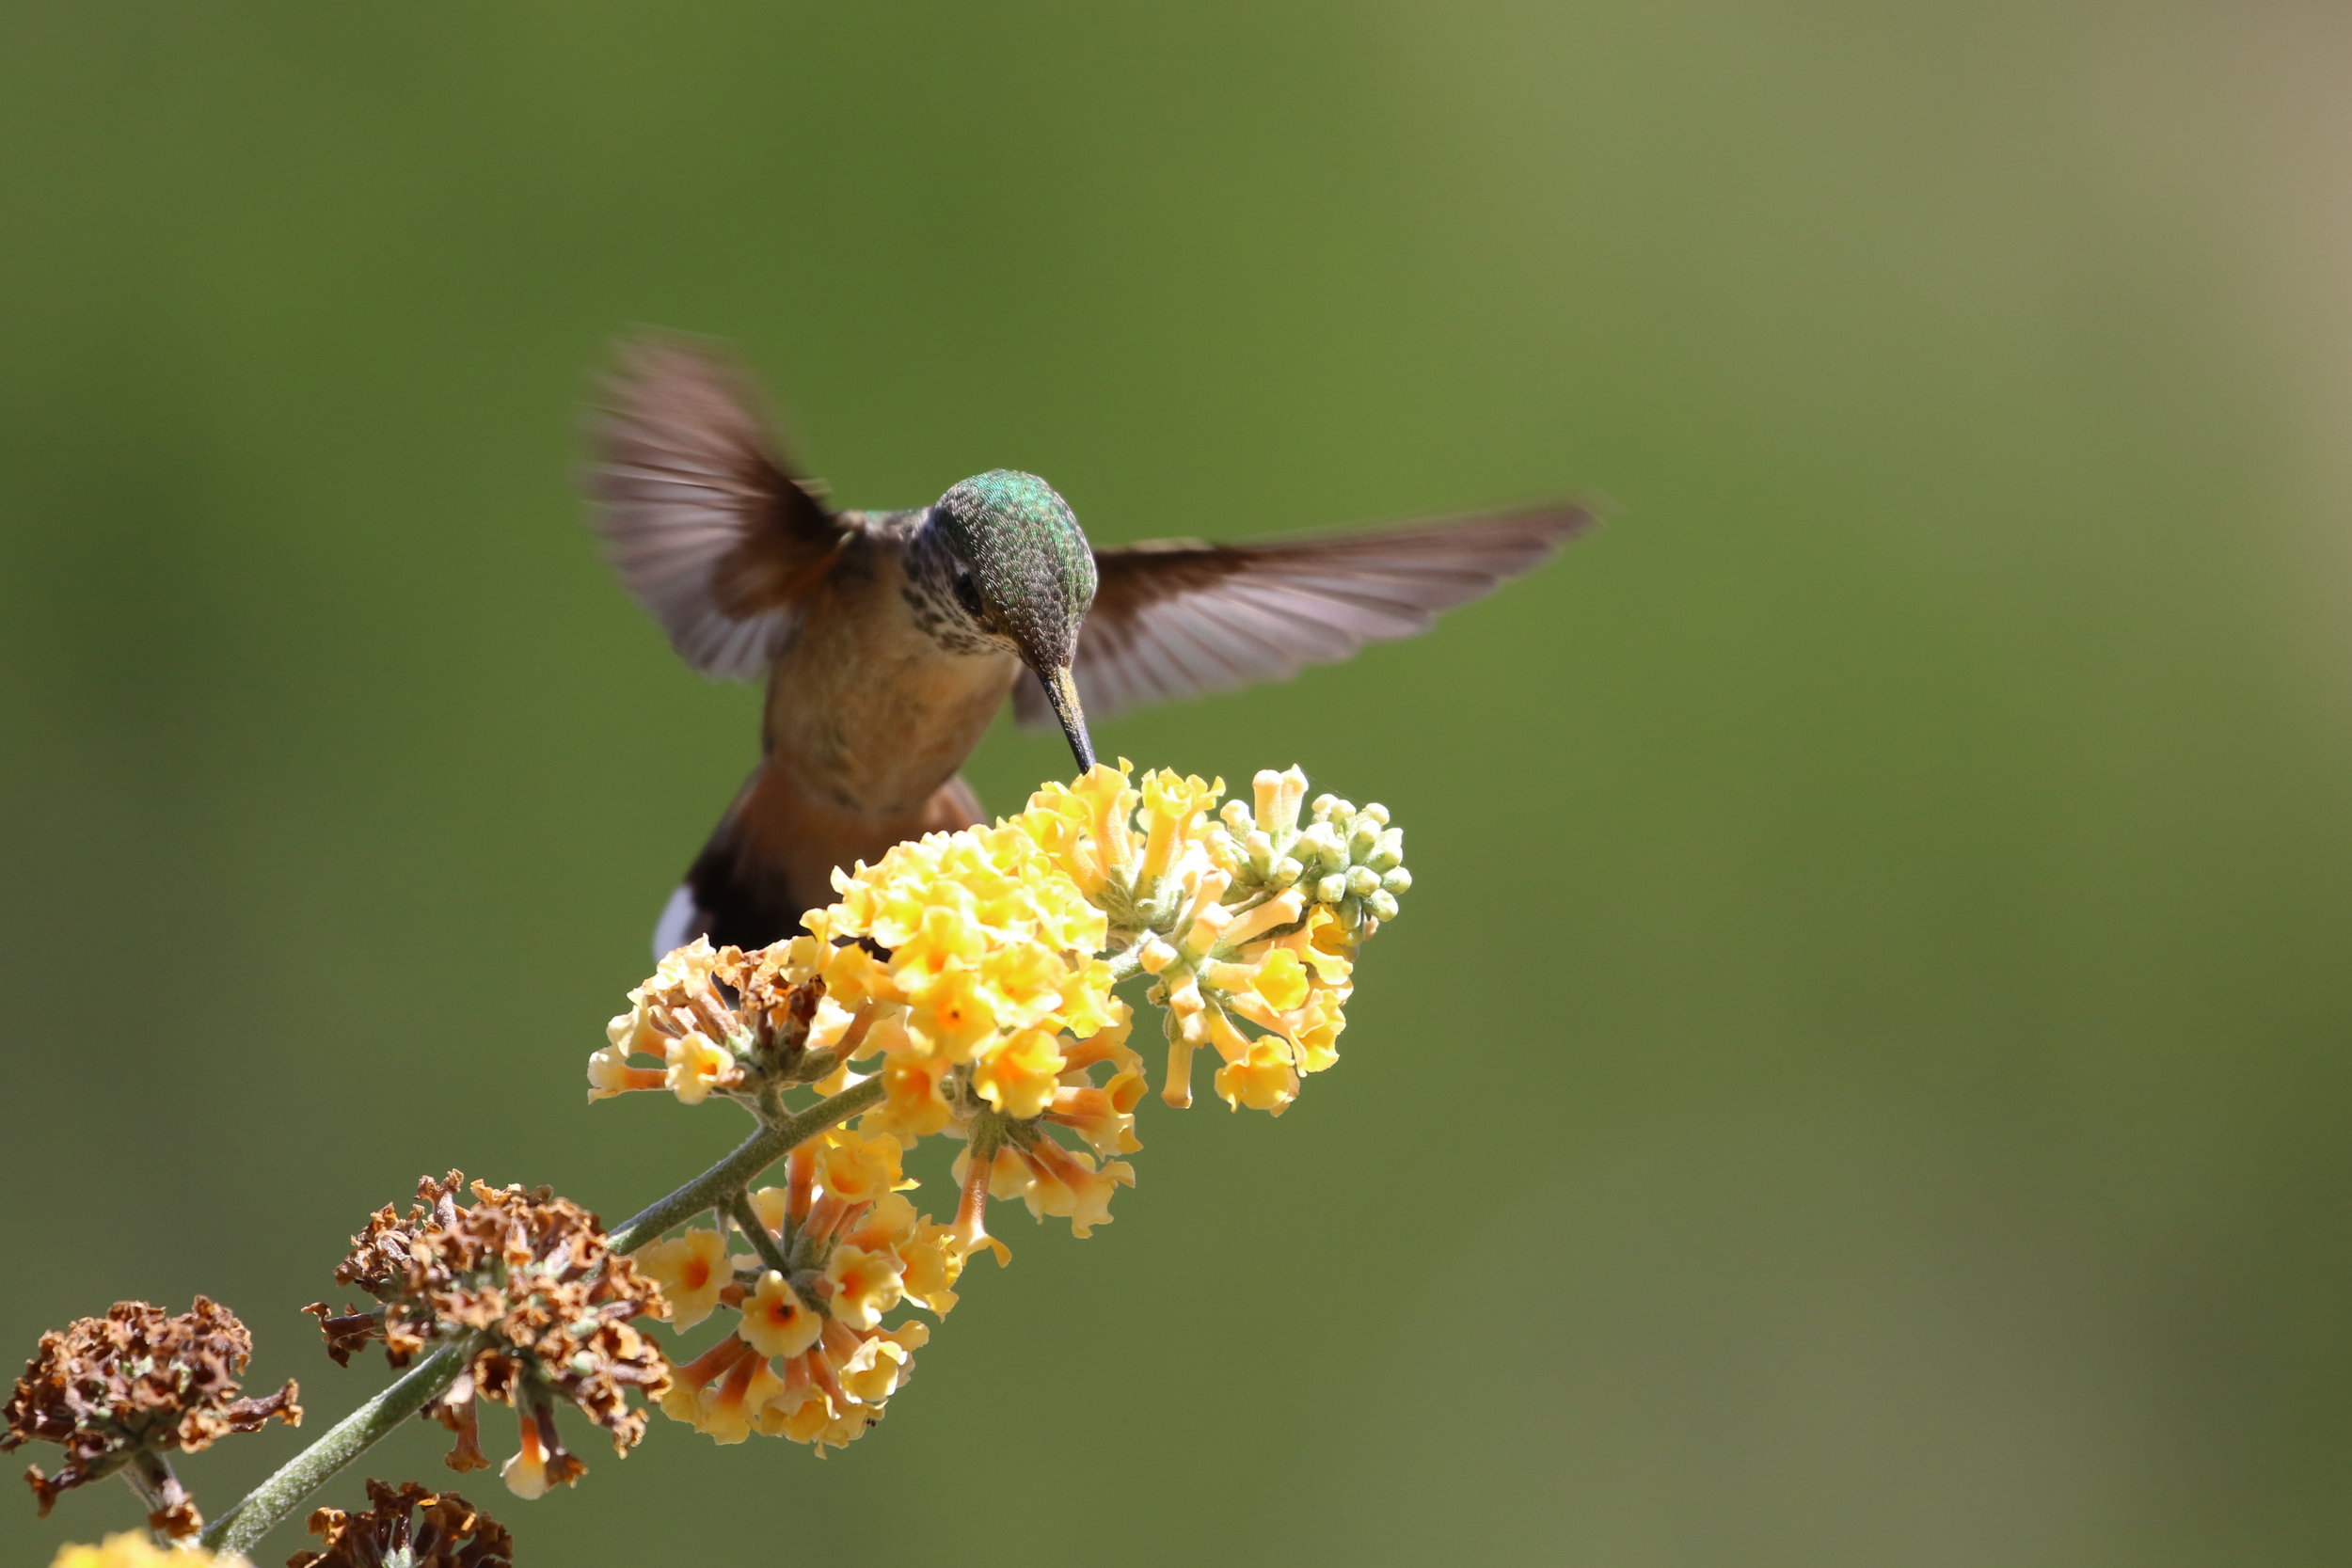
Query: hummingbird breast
x,y
868,717
870,709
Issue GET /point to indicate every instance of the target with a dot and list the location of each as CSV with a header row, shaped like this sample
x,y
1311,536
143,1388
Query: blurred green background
x,y
1862,1076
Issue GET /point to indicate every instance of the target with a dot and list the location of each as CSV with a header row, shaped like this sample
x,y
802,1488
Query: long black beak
x,y
1062,692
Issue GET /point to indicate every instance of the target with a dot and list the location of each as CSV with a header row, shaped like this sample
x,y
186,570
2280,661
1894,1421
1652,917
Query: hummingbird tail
x,y
735,898
682,920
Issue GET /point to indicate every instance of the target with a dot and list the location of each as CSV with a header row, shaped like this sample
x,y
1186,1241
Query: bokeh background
x,y
1864,1074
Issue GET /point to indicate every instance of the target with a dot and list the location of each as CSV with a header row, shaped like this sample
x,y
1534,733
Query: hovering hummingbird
x,y
890,639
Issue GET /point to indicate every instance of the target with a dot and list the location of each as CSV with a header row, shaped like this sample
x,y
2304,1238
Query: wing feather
x,y
705,525
1178,618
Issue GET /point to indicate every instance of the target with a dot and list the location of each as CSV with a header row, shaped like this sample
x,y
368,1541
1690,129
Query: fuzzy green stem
x,y
268,1504
748,1222
739,1170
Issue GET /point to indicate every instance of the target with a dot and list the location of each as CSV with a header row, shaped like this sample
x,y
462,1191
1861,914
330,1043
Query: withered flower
x,y
124,1388
718,1020
407,1527
528,1278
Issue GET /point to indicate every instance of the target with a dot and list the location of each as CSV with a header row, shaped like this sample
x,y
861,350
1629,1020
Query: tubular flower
x,y
1010,1154
717,1021
776,1322
692,1272
529,1277
121,1389
407,1526
809,1357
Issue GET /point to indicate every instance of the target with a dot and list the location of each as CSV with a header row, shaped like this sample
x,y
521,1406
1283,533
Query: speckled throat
x,y
939,611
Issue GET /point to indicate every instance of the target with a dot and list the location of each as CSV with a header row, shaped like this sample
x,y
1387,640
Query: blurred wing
x,y
1176,618
702,522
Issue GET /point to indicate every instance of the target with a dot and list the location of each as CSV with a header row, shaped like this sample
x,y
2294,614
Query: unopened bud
x,y
1381,906
1268,788
1279,795
1377,814
1399,880
1285,873
1362,880
1331,889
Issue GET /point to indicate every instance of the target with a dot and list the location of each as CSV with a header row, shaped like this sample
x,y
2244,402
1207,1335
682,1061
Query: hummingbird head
x,y
1024,575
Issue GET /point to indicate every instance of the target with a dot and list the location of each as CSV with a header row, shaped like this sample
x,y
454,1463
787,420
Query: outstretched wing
x,y
1179,617
699,517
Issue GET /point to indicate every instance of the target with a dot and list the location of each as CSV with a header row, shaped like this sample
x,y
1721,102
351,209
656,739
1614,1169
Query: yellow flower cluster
x,y
971,974
809,1356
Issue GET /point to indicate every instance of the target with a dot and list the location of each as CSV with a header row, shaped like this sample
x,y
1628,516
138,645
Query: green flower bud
x,y
1260,849
1362,880
1398,880
1331,889
1381,906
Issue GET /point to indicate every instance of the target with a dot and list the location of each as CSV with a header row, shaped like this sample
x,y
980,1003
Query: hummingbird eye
x,y
968,596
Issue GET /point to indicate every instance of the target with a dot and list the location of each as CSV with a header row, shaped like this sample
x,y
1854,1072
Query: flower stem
x,y
747,1222
713,1187
150,1476
268,1504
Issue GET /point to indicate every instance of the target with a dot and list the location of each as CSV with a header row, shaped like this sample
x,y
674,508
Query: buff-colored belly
x,y
868,713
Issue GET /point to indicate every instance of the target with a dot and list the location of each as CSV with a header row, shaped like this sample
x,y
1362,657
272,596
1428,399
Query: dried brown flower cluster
x,y
135,1382
719,1021
407,1527
528,1278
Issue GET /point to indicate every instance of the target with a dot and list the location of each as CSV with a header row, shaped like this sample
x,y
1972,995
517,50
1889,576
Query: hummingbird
x,y
889,639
